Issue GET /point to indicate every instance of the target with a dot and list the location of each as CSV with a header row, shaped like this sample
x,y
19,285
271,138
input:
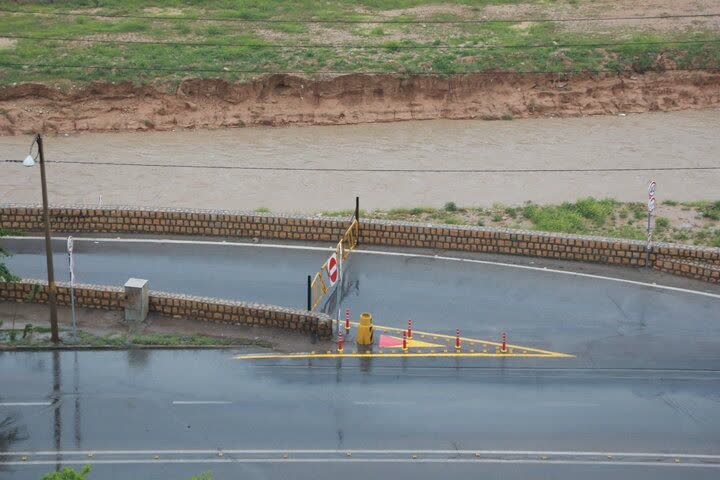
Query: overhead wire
x,y
376,170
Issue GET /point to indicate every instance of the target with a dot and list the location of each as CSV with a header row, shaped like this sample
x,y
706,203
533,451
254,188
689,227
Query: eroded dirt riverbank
x,y
347,99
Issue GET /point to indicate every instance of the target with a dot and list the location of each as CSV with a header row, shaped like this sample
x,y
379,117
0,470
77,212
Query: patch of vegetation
x,y
121,340
262,210
711,210
662,223
5,274
239,51
68,473
587,216
450,207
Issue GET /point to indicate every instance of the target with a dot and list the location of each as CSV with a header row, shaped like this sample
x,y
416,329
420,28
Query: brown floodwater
x,y
307,169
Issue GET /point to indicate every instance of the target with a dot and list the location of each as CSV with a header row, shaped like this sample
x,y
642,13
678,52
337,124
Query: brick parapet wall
x,y
197,308
224,223
231,312
86,296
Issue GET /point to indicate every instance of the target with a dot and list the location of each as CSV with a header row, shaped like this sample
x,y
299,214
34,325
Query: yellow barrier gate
x,y
318,287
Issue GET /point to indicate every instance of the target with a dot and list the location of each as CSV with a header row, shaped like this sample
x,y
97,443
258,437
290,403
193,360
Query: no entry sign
x,y
332,268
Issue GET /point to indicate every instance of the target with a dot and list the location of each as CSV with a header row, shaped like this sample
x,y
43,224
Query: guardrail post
x,y
357,218
309,293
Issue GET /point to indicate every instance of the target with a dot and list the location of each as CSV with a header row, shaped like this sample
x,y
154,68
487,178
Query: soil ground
x,y
101,323
109,73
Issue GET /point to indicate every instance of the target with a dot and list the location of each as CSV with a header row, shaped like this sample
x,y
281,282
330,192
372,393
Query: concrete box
x,y
136,295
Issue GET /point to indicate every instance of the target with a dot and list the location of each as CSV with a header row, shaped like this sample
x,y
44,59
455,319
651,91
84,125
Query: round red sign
x,y
332,269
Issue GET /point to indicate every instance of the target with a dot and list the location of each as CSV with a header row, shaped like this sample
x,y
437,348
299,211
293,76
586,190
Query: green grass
x,y
385,44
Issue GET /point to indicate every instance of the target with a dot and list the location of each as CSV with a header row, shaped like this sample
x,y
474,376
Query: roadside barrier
x,y
457,339
404,344
323,281
347,319
409,330
503,346
340,342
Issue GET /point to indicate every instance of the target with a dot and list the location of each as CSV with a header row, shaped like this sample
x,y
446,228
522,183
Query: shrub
x,y
450,207
661,223
68,473
712,211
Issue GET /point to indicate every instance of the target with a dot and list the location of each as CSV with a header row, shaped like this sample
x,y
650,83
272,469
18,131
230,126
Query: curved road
x,y
639,399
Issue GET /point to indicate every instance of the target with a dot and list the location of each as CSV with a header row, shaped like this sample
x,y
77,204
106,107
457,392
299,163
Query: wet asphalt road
x,y
645,377
605,324
151,402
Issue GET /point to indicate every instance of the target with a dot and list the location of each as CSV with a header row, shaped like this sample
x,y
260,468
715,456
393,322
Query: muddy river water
x,y
307,169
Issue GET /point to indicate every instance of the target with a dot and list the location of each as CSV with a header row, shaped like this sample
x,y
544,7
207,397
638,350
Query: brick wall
x,y
232,312
666,257
181,306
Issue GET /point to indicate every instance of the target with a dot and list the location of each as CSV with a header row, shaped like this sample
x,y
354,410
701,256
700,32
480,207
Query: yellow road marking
x,y
527,352
412,343
394,354
435,336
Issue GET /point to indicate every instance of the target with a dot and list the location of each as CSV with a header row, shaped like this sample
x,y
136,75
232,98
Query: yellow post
x,y
364,333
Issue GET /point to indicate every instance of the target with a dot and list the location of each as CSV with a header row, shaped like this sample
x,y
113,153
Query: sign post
x,y
652,188
71,264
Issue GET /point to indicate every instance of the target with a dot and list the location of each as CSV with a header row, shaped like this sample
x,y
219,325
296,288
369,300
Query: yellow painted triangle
x,y
412,343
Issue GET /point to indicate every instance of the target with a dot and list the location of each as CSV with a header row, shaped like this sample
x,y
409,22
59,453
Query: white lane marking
x,y
201,402
383,403
25,404
181,242
547,453
542,269
365,460
378,252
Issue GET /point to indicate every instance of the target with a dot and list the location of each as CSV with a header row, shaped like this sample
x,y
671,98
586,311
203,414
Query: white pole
x,y
72,285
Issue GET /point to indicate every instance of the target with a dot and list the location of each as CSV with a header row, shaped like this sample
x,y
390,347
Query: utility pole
x,y
48,247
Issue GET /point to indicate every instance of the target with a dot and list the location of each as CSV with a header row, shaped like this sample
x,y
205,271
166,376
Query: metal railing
x,y
318,286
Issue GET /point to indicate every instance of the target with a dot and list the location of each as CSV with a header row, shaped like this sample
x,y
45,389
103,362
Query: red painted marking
x,y
386,341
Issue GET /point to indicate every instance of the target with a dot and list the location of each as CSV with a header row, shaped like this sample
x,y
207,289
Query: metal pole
x,y
309,293
647,245
54,334
357,217
72,286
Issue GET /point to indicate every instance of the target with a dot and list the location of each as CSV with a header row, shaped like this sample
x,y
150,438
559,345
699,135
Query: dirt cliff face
x,y
348,99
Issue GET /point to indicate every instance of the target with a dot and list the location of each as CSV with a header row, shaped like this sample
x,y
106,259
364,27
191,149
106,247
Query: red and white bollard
x,y
458,346
347,319
409,330
340,342
404,345
503,347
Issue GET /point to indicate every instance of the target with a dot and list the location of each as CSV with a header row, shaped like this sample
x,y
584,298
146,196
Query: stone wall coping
x,y
180,296
76,286
397,223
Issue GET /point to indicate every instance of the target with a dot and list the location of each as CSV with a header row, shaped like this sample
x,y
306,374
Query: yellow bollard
x,y
364,335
